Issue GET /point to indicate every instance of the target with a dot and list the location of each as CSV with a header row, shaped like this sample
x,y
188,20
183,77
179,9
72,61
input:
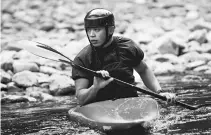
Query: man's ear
x,y
111,29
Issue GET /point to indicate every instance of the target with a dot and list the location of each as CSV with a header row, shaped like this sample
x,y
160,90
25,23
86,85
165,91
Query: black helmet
x,y
99,17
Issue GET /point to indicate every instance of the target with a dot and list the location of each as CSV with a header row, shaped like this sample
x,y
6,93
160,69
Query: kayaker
x,y
109,55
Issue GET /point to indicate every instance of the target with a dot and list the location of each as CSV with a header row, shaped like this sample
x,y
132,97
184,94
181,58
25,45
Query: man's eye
x,y
97,29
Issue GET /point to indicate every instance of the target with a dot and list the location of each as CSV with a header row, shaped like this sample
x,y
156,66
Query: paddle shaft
x,y
134,87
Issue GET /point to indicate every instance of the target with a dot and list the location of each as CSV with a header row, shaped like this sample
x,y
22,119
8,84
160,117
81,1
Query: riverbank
x,y
175,36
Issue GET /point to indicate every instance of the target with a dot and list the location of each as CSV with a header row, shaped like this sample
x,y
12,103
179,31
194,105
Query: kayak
x,y
119,114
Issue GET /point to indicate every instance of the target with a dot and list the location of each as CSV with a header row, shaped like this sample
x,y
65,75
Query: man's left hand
x,y
171,97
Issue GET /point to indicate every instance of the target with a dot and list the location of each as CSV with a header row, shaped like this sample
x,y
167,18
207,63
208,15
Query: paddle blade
x,y
34,48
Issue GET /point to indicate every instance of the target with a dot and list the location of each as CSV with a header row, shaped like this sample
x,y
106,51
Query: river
x,y
51,118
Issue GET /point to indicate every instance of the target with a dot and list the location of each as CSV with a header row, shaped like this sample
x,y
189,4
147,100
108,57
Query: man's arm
x,y
83,93
147,76
87,94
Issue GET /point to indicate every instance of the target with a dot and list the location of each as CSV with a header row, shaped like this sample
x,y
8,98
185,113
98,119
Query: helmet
x,y
99,17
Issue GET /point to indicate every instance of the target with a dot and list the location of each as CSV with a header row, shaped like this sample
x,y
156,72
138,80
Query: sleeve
x,y
79,73
137,54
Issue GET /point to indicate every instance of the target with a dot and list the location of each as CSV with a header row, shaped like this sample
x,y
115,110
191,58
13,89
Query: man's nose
x,y
92,33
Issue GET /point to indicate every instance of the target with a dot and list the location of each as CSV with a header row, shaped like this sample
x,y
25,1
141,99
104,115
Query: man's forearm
x,y
86,96
150,80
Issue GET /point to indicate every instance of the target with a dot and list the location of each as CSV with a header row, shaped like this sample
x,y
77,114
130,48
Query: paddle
x,y
48,52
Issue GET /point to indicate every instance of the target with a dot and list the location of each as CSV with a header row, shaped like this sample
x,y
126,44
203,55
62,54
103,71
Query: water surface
x,y
51,118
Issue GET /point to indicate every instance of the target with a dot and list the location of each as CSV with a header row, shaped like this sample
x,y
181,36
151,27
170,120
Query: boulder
x,y
43,78
48,70
13,89
61,85
164,68
25,79
22,65
6,58
198,35
13,99
195,64
3,87
47,97
202,68
5,77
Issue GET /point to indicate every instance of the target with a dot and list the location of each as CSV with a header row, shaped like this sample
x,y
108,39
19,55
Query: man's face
x,y
97,36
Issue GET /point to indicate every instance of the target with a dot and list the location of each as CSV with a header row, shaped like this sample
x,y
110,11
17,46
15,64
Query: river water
x,y
51,118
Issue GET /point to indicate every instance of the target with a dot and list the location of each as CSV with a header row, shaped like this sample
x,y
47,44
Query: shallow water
x,y
51,118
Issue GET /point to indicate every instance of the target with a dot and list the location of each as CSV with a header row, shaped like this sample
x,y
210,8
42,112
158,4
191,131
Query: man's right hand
x,y
100,82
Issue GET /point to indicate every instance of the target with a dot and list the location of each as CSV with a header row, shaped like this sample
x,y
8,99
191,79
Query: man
x,y
111,56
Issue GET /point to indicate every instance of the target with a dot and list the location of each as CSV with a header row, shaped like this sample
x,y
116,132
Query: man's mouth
x,y
93,41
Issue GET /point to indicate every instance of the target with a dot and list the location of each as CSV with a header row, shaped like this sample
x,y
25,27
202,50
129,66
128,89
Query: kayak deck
x,y
116,114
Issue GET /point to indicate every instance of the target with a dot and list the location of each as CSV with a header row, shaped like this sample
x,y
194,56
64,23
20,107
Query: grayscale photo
x,y
105,67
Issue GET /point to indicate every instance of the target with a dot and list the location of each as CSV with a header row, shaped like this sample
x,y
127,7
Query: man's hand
x,y
171,97
100,82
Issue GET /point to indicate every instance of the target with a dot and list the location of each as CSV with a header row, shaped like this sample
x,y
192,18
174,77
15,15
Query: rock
x,y
46,97
12,46
21,65
42,78
6,56
13,89
191,7
207,17
3,87
195,64
198,35
191,56
47,26
141,37
48,70
5,77
202,68
140,1
72,48
192,15
25,55
3,94
209,63
208,71
13,99
208,37
192,46
39,93
37,89
53,64
201,25
61,85
171,42
25,79
122,27
168,47
30,99
7,66
205,56
168,58
164,68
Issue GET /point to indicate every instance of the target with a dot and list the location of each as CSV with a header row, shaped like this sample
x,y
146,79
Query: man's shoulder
x,y
124,42
85,51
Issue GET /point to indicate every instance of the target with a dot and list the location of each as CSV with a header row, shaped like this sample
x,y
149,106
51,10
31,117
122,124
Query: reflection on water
x,y
51,118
